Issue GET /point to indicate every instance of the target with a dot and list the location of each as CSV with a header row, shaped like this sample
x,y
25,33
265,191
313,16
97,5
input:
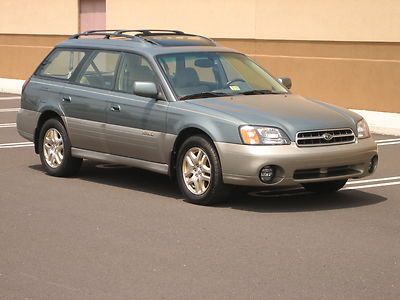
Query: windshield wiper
x,y
204,95
261,92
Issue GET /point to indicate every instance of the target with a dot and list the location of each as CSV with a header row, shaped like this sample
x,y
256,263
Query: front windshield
x,y
216,74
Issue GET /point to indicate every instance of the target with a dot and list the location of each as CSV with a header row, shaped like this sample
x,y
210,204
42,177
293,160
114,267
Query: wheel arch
x,y
44,116
181,138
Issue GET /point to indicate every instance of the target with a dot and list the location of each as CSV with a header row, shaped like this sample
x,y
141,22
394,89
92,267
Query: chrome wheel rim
x,y
53,148
196,171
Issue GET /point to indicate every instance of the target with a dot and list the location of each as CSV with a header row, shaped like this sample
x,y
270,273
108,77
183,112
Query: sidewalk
x,y
379,122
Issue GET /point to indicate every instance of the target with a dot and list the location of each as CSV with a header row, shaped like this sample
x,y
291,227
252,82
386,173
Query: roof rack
x,y
150,32
142,34
107,33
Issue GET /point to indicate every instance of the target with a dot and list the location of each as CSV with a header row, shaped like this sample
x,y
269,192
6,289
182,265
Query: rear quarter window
x,y
61,64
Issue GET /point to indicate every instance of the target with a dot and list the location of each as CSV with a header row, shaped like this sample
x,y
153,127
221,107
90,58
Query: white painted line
x,y
374,180
359,187
9,109
389,143
16,145
8,125
388,140
10,98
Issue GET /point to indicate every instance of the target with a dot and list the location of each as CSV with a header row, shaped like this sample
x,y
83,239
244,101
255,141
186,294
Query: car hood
x,y
290,112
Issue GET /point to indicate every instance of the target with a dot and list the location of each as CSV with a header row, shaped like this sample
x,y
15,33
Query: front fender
x,y
220,127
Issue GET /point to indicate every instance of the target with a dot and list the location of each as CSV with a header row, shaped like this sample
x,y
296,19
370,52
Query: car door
x,y
135,125
85,101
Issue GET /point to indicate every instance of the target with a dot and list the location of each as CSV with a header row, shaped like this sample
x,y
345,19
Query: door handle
x,y
115,108
66,99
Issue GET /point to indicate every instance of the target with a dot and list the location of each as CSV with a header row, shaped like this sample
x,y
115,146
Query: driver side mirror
x,y
146,89
286,82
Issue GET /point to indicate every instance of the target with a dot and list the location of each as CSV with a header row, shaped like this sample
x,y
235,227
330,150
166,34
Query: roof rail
x,y
107,33
142,34
149,32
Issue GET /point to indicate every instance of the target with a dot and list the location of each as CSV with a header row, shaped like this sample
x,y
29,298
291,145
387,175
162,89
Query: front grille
x,y
325,137
325,172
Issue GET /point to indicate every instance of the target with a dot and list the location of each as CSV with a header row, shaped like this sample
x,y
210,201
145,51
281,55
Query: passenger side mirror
x,y
286,82
146,89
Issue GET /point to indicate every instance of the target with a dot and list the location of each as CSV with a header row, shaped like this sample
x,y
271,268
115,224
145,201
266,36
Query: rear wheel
x,y
325,187
55,150
199,172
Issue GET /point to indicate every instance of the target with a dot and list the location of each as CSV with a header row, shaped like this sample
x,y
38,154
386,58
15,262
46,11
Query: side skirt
x,y
105,157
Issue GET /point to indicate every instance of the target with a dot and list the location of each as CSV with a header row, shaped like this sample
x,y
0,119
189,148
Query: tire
x,y
325,187
57,159
206,166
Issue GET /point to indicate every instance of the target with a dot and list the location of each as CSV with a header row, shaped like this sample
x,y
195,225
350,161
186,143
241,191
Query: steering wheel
x,y
232,81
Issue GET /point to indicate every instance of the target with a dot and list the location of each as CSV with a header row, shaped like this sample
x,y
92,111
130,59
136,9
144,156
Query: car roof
x,y
149,42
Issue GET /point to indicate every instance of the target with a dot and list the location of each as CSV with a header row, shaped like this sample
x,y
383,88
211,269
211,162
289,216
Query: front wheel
x,y
55,150
325,186
199,172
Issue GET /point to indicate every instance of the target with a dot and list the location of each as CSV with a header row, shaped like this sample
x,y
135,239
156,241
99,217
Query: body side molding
x,y
105,157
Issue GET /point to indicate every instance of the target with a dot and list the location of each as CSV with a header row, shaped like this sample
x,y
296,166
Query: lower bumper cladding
x,y
243,164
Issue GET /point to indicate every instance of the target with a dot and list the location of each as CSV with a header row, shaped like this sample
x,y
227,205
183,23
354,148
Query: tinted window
x,y
61,64
225,74
192,73
100,70
133,68
204,67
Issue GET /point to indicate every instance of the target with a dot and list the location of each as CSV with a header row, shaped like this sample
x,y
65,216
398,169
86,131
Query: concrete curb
x,y
379,122
12,86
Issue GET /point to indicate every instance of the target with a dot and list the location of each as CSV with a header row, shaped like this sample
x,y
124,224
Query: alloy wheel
x,y
196,171
53,148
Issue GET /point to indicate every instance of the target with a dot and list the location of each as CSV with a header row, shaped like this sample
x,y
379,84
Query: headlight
x,y
363,129
254,135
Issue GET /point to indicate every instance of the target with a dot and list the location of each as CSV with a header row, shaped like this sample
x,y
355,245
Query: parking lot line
x,y
9,109
387,140
10,98
8,125
374,180
388,143
358,187
16,145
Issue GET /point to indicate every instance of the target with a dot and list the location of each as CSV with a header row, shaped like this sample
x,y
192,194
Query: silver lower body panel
x,y
115,159
241,164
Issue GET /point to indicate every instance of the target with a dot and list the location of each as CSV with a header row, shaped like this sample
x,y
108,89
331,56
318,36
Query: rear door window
x,y
61,64
100,70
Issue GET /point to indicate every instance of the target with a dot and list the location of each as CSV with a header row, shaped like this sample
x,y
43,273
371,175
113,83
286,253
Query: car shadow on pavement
x,y
125,177
267,201
298,200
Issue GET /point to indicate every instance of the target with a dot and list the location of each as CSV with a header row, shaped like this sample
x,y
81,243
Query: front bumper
x,y
241,164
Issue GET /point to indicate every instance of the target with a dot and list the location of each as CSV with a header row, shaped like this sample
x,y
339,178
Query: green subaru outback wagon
x,y
177,104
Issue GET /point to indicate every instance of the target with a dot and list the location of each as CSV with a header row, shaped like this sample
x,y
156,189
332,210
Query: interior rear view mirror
x,y
203,63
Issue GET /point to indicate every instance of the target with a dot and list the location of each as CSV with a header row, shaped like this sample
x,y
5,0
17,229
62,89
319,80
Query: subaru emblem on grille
x,y
327,136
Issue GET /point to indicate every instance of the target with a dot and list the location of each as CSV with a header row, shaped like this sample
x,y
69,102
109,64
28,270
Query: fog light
x,y
267,173
373,164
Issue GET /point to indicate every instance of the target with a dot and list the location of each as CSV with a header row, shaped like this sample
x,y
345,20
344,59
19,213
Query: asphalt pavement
x,y
115,232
